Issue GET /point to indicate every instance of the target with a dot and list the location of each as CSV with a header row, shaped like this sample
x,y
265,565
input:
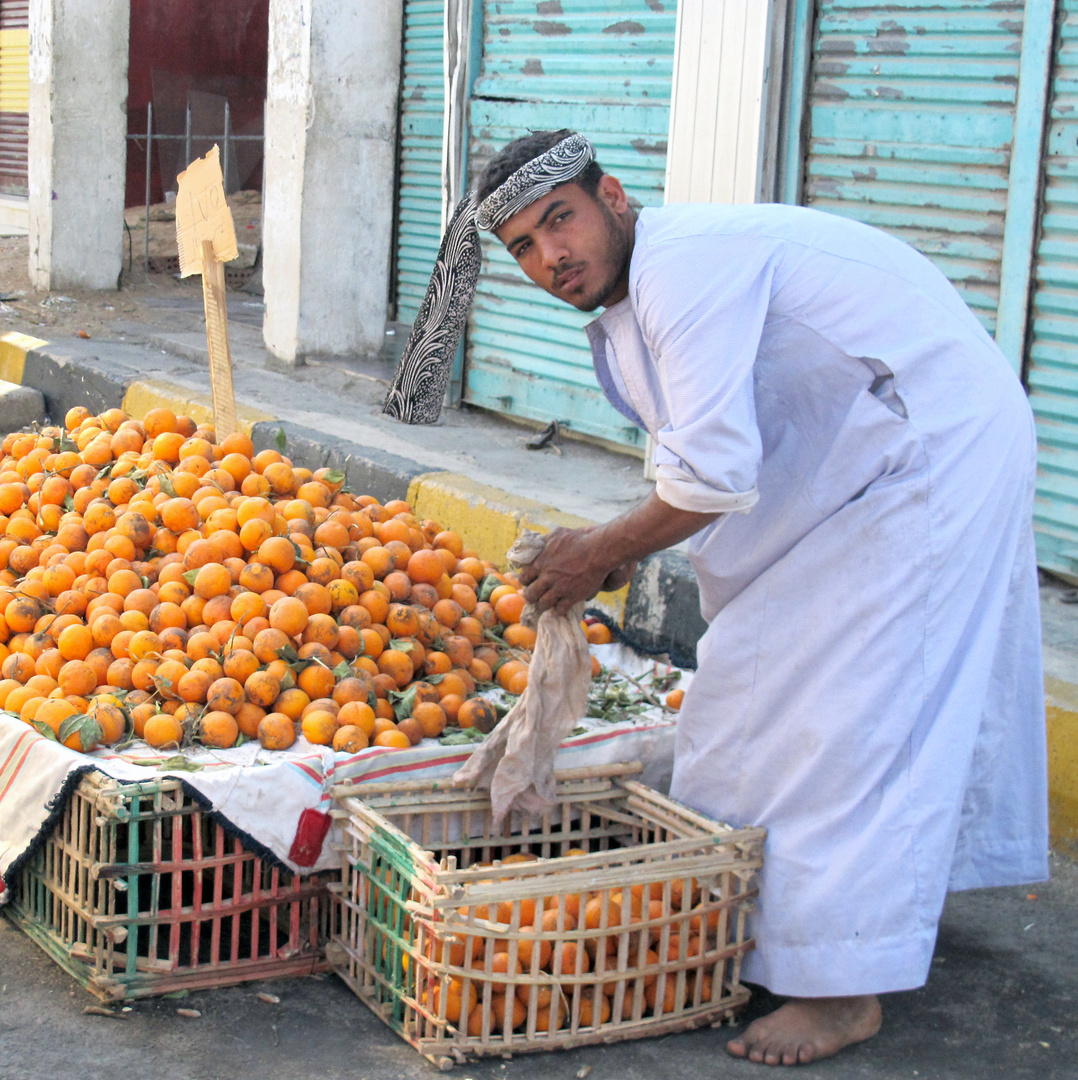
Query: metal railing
x,y
226,139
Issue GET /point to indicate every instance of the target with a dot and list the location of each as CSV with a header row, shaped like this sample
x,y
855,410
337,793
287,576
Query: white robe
x,y
869,687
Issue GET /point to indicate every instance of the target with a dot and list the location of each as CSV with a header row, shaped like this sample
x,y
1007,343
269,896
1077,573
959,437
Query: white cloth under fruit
x,y
869,688
516,760
279,801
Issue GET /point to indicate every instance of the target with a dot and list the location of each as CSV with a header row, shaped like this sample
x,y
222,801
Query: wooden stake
x,y
216,304
206,238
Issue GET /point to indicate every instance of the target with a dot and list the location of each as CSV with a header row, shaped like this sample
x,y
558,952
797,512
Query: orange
x,y
319,727
674,699
520,636
212,579
426,567
316,680
75,642
457,1000
478,713
111,719
316,598
357,714
248,717
566,956
394,740
179,515
448,613
378,560
218,729
262,688
225,695
241,664
350,739
278,553
53,712
398,665
159,420
257,578
192,687
292,702
77,677
451,704
510,607
431,717
145,643
508,670
289,615
352,688
412,728
276,731
162,730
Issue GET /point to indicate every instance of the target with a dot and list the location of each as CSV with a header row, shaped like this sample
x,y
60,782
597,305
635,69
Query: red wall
x,y
177,46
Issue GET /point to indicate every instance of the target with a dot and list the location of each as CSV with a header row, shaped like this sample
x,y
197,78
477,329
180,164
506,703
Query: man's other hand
x,y
570,568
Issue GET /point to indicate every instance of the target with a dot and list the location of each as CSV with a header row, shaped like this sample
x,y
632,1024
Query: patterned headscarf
x,y
418,388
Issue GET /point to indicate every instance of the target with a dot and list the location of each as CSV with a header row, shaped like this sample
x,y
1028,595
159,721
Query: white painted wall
x,y
331,132
719,125
77,152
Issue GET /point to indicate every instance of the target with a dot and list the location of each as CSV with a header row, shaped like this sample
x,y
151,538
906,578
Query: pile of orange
x,y
575,939
158,584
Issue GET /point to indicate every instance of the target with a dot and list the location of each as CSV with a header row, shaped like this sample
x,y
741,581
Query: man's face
x,y
574,246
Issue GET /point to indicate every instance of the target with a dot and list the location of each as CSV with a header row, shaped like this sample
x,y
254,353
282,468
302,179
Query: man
x,y
853,460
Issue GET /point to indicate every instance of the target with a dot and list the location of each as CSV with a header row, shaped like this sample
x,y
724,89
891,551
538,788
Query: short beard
x,y
615,255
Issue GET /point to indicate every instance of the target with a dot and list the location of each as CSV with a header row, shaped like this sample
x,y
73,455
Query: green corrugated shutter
x,y
419,192
602,67
911,120
1053,354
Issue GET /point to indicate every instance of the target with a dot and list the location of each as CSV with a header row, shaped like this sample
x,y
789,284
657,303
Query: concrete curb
x,y
1061,701
143,395
366,468
13,350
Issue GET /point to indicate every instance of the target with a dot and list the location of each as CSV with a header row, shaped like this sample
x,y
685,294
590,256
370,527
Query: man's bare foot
x,y
805,1029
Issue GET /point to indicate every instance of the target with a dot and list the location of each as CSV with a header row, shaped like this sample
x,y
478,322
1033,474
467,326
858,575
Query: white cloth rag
x,y
516,760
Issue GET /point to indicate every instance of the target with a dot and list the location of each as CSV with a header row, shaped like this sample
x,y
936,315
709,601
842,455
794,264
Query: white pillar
x,y
78,154
723,114
331,135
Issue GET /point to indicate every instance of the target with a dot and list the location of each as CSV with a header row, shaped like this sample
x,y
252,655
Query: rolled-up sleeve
x,y
701,303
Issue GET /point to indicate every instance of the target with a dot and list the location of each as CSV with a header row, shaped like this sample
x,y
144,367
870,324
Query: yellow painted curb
x,y
489,517
1062,718
149,394
13,350
492,519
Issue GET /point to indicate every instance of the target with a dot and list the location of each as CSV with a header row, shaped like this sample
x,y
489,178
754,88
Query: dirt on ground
x,y
57,315
141,295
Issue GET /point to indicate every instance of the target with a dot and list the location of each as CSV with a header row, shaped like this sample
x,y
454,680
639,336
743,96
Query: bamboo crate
x,y
420,920
139,892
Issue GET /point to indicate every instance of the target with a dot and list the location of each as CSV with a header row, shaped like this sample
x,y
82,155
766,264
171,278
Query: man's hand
x,y
570,568
575,564
619,577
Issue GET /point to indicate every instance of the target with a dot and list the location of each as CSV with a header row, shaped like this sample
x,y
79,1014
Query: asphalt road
x,y
1002,1001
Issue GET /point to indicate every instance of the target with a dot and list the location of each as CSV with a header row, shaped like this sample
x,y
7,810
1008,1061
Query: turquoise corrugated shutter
x,y
1053,354
419,192
911,119
602,67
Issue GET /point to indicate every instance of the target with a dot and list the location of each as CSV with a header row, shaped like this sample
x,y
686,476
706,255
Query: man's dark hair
x,y
520,151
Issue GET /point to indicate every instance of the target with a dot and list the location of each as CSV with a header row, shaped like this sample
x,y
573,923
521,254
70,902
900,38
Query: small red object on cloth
x,y
310,834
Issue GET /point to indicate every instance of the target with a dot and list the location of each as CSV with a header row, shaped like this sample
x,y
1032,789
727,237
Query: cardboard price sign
x,y
207,240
